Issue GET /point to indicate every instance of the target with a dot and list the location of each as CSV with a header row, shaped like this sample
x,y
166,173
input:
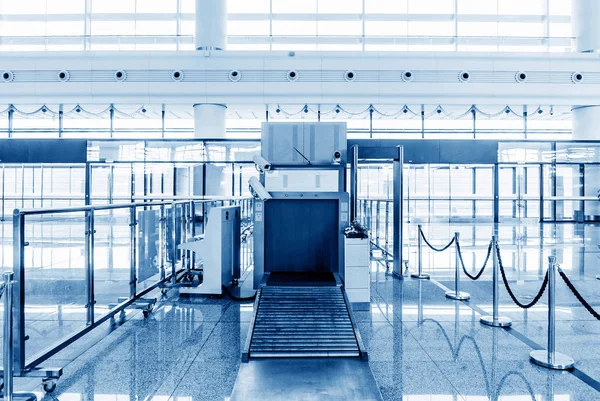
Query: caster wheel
x,y
164,291
1,386
49,386
146,313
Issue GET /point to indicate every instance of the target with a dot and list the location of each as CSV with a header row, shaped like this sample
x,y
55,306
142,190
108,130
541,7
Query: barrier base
x,y
22,397
560,362
598,277
500,322
458,296
422,276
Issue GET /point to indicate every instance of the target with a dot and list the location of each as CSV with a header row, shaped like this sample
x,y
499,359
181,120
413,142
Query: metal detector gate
x,y
396,154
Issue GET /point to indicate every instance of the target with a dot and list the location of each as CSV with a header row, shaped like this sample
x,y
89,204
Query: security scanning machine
x,y
300,213
218,250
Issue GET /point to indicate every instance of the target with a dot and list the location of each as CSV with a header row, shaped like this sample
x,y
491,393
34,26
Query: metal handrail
x,y
181,222
72,209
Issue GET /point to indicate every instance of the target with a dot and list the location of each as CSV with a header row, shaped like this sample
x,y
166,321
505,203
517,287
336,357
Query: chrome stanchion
x,y
550,358
495,320
457,294
420,274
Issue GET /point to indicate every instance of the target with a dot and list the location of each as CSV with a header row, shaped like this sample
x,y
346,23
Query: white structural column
x,y
211,36
585,23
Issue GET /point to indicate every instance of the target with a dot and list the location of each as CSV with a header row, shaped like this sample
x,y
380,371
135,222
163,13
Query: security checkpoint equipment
x,y
218,250
302,208
301,212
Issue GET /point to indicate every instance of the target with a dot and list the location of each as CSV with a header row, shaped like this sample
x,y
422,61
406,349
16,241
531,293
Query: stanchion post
x,y
495,320
457,294
8,336
420,275
550,358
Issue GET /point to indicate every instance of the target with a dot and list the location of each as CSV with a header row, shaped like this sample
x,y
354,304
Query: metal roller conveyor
x,y
303,322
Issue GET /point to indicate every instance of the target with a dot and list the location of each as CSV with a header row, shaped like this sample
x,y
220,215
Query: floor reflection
x,y
421,345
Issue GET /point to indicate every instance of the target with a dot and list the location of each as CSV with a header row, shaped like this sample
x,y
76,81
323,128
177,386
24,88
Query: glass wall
x,y
380,25
244,121
537,181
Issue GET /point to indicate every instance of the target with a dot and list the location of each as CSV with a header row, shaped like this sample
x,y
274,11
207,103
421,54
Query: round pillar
x,y
585,18
209,120
211,25
211,35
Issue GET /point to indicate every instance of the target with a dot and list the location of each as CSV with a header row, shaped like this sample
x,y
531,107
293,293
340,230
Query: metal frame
x,y
23,367
383,153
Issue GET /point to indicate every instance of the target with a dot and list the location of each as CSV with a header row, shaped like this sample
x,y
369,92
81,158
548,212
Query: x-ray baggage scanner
x,y
299,223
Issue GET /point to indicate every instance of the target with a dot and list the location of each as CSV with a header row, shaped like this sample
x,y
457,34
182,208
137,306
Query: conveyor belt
x,y
307,322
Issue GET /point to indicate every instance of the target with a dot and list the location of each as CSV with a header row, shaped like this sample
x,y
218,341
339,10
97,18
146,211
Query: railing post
x,y
354,184
18,340
133,253
495,320
192,255
457,294
420,274
550,358
162,237
387,226
8,336
377,222
173,244
89,266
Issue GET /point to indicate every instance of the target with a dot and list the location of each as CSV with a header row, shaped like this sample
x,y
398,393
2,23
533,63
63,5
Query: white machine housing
x,y
219,251
358,271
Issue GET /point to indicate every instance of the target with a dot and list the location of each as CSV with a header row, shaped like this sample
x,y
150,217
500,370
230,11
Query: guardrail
x,y
150,224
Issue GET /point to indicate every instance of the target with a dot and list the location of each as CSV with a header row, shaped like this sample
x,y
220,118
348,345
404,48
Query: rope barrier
x,y
487,258
512,295
578,295
434,248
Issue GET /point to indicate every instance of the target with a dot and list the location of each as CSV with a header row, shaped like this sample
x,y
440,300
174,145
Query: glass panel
x,y
592,190
525,152
55,291
574,152
568,192
461,190
112,250
149,262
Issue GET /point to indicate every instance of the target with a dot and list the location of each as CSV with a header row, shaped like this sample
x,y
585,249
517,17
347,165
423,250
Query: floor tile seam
x,y
211,333
379,307
193,360
584,377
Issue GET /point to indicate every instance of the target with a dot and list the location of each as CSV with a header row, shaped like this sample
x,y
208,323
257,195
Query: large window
x,y
244,121
447,25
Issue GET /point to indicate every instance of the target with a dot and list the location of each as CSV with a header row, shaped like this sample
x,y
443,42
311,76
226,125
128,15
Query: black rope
x,y
512,295
487,258
431,246
578,295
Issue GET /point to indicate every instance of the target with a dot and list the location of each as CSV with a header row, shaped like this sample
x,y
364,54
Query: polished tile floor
x,y
422,346
435,349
